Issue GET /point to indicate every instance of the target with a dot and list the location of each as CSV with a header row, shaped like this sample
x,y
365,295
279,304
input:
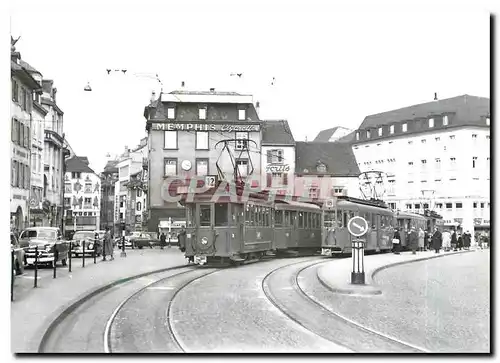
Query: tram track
x,y
321,320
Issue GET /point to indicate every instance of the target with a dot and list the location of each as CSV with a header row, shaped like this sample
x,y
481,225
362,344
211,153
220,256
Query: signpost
x,y
357,227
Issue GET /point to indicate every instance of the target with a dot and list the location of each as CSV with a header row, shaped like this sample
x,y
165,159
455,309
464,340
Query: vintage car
x,y
18,266
128,244
48,240
144,239
87,238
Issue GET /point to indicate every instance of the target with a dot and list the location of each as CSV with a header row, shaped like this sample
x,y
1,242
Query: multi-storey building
x,y
324,170
82,194
53,154
136,217
23,88
188,135
278,157
109,177
435,156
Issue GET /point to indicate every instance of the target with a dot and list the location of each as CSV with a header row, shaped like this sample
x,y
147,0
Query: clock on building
x,y
186,165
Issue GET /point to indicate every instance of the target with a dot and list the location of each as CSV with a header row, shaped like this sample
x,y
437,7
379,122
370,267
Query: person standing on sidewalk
x,y
467,238
396,242
437,240
108,245
446,241
182,239
454,240
413,239
163,240
421,237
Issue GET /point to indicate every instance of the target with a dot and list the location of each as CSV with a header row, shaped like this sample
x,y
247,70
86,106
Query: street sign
x,y
32,202
330,202
210,181
357,226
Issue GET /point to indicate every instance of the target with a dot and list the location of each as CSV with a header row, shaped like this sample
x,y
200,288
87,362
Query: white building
x,y
324,170
436,156
277,157
82,195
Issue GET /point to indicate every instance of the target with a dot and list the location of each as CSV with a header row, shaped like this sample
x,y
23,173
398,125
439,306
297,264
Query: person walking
x,y
169,239
421,237
460,242
437,240
426,241
163,239
454,241
107,246
182,239
396,242
467,239
413,240
446,241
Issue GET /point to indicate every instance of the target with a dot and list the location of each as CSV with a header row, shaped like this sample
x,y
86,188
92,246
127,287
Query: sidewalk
x,y
34,309
336,275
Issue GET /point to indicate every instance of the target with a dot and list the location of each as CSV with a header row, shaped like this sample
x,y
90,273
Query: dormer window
x,y
431,122
368,134
445,120
405,127
242,115
379,131
488,121
171,113
392,129
357,135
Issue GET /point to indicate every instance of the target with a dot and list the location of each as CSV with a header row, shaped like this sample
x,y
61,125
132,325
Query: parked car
x,y
144,240
19,254
88,238
130,238
118,242
48,240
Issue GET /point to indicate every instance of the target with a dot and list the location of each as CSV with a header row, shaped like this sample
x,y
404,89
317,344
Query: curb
x,y
39,339
373,289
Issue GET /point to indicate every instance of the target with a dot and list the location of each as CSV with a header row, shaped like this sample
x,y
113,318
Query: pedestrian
x,y
182,239
446,241
413,239
437,240
396,242
466,240
421,236
426,240
107,246
460,242
169,239
454,240
163,239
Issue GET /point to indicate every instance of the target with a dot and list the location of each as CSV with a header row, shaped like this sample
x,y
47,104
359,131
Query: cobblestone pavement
x,y
441,304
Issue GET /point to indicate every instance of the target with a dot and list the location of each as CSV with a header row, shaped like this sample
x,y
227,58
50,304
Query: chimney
x,y
153,96
182,84
212,90
435,96
257,107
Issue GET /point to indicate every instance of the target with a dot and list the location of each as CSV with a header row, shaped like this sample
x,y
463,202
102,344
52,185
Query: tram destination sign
x,y
165,126
357,226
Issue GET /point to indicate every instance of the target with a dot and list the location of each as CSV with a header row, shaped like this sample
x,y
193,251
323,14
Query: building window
x,y
474,205
437,139
171,113
121,216
445,120
410,163
423,141
392,184
417,206
88,188
474,136
242,115
201,167
170,140
201,140
449,205
76,175
15,91
424,163
170,167
452,137
482,205
138,206
405,127
438,163
453,179
458,205
474,161
439,205
426,205
242,166
408,206
391,129
424,181
431,122
202,113
357,135
368,134
241,140
379,131
275,156
488,121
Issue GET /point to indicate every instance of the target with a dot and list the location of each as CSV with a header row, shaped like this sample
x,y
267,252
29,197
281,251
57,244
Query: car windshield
x,y
83,235
42,233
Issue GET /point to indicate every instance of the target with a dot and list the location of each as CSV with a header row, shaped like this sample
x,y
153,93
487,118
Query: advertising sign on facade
x,y
206,127
277,168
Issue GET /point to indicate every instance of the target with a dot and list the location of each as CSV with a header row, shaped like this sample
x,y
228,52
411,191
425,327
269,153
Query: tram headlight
x,y
204,241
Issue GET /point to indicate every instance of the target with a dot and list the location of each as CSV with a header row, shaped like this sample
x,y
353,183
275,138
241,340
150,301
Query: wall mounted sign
x,y
277,168
206,127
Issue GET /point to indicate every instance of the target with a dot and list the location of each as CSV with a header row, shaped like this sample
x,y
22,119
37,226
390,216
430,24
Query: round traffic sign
x,y
357,226
32,202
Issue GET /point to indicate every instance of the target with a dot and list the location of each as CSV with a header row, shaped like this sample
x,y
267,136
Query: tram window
x,y
313,220
221,214
374,221
265,214
248,215
382,221
301,220
345,217
205,212
278,218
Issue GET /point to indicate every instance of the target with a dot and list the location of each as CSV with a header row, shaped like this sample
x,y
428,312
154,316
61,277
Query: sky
x,y
333,65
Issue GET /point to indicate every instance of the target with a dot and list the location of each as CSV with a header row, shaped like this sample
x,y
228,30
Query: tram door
x,y
328,227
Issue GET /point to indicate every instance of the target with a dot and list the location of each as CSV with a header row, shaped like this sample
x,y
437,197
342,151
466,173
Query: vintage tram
x,y
405,222
336,239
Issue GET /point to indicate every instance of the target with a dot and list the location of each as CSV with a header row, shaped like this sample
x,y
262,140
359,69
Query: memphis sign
x,y
206,127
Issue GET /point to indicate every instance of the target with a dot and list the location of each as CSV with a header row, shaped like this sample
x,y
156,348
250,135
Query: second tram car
x,y
405,222
337,240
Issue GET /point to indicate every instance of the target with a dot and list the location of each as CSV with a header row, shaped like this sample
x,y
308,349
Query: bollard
x,y
123,253
95,245
83,255
70,253
12,277
36,266
56,257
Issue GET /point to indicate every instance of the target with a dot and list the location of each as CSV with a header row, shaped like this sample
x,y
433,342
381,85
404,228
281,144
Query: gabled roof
x,y
338,158
110,166
467,110
24,75
325,135
84,159
276,133
28,67
76,164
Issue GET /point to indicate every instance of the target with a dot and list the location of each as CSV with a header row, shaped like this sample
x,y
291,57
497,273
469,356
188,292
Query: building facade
x,y
82,194
21,109
325,170
109,177
188,135
277,157
435,156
